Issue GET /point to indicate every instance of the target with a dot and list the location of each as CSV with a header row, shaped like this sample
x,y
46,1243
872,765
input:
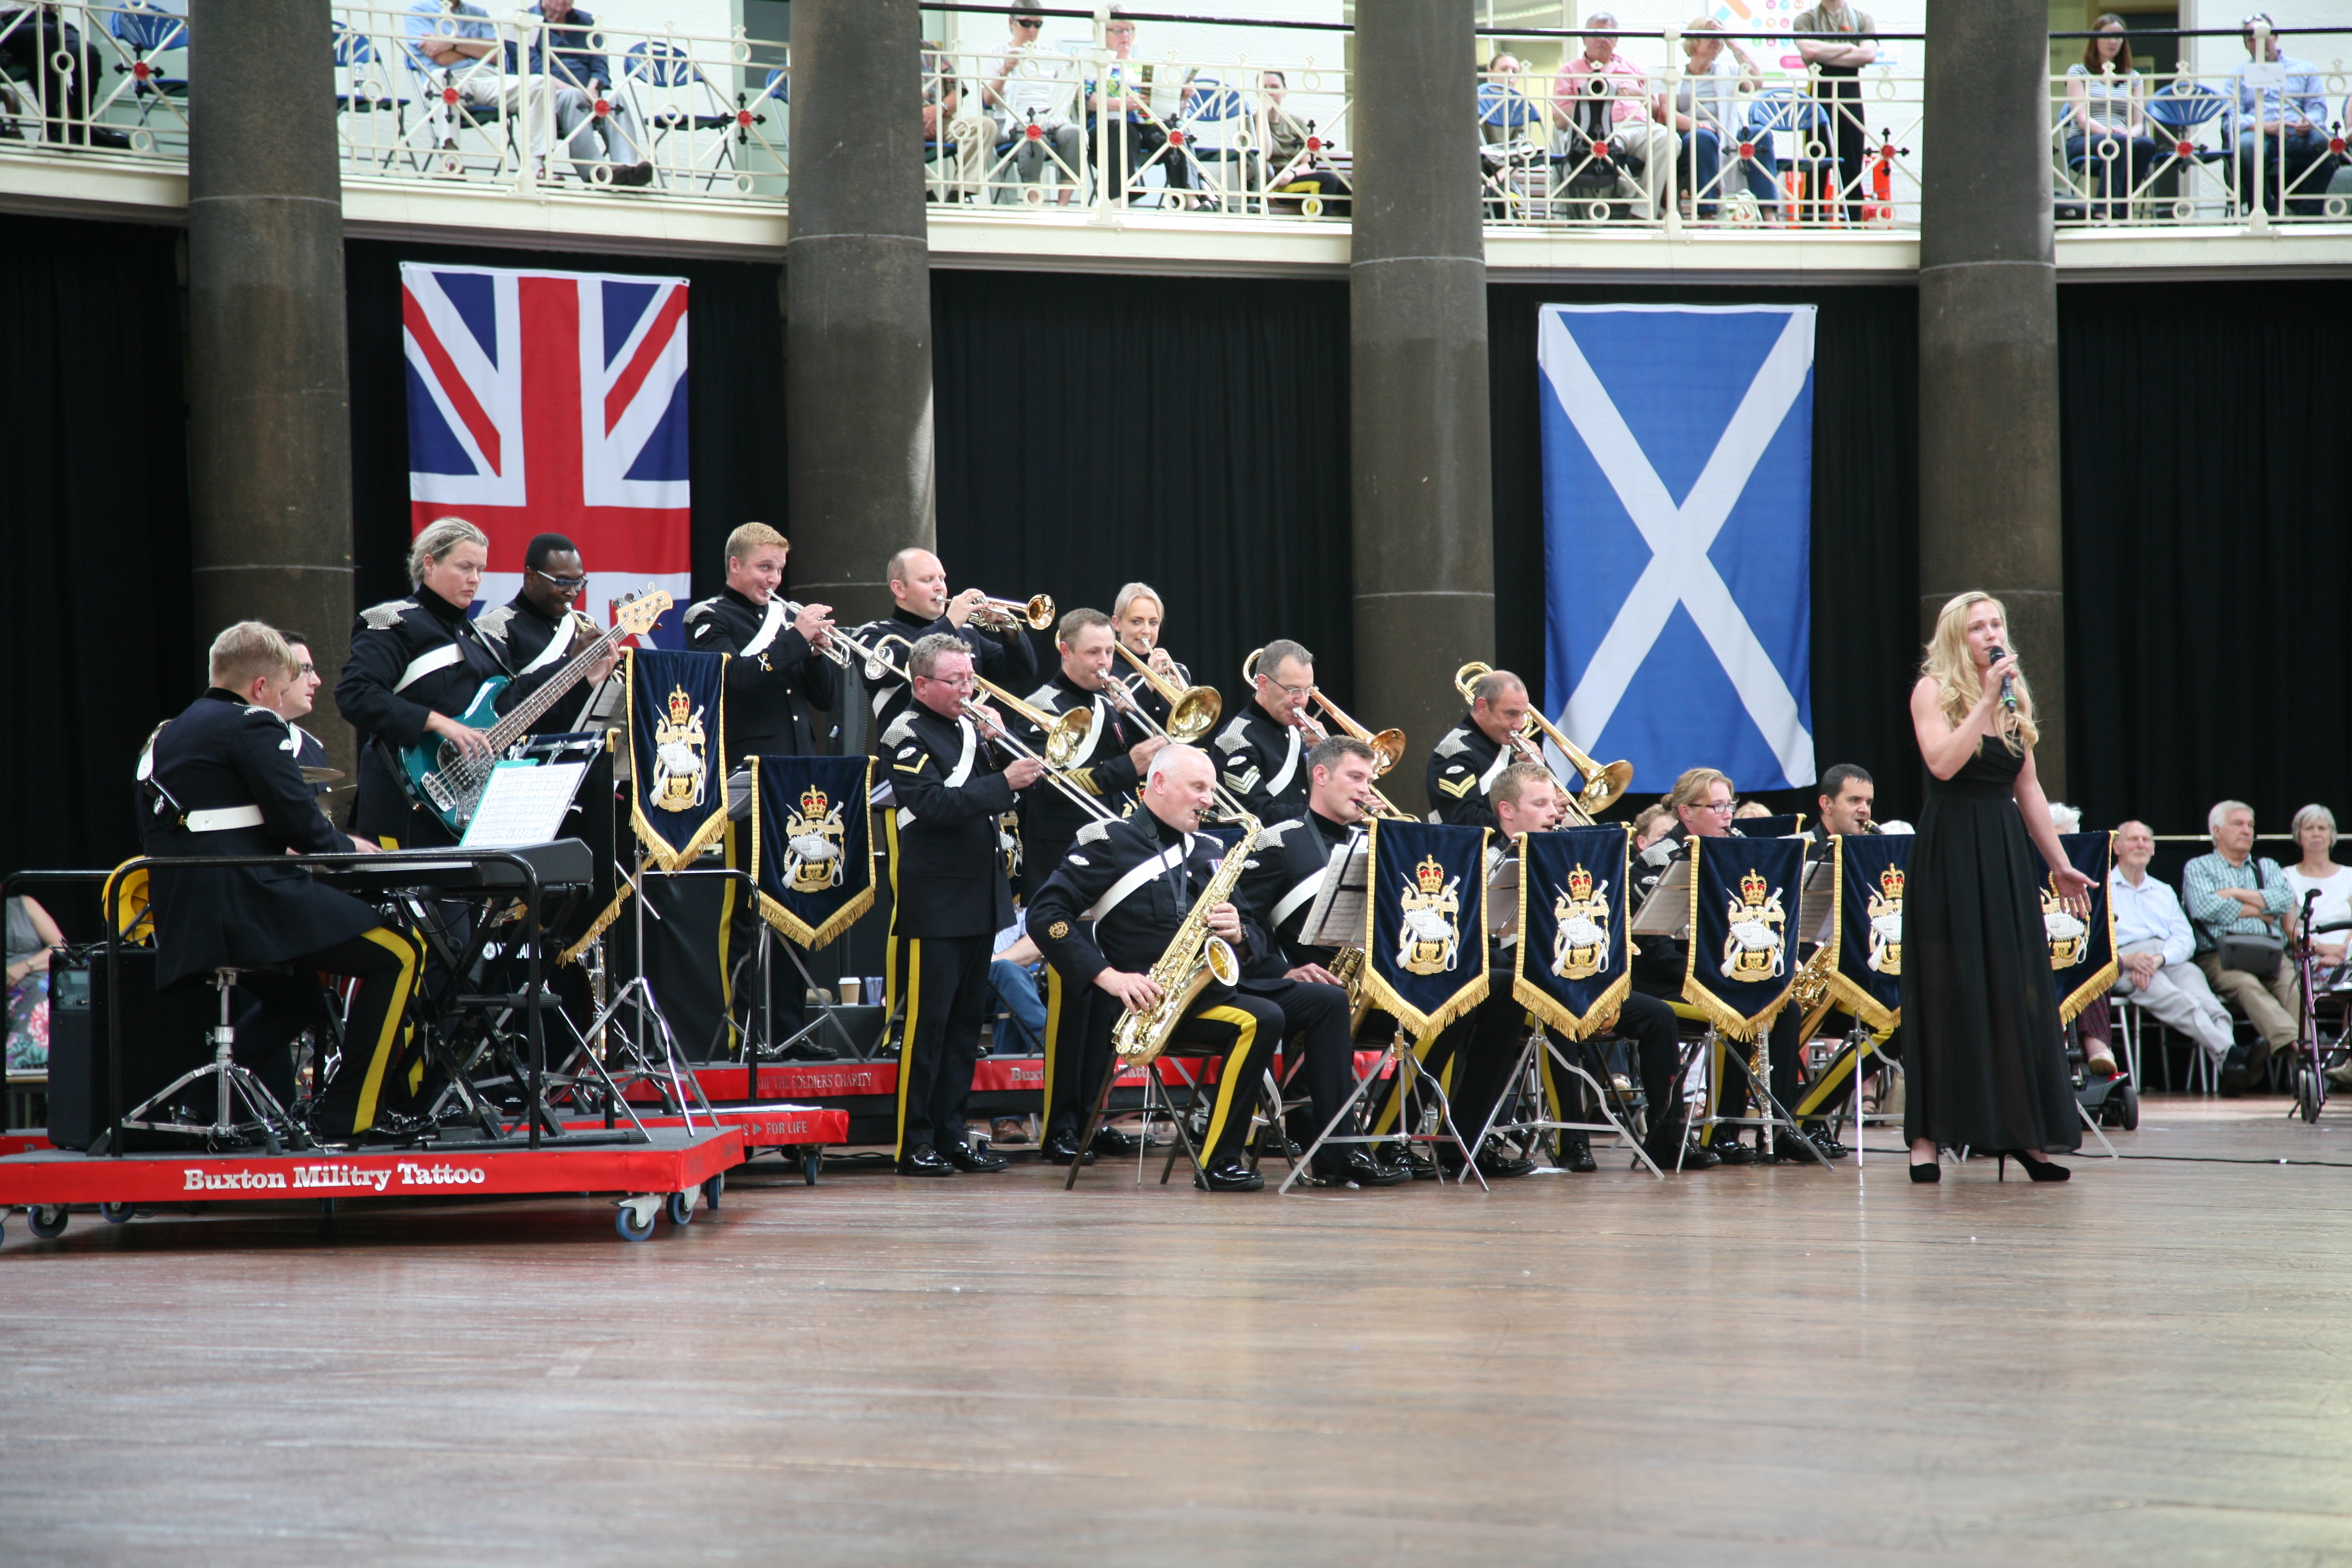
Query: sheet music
x,y
1667,911
1820,900
524,802
1337,917
1502,899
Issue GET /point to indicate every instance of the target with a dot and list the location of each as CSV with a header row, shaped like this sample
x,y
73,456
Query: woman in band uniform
x,y
1984,1062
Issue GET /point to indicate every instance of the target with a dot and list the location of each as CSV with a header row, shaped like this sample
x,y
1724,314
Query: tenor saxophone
x,y
1194,957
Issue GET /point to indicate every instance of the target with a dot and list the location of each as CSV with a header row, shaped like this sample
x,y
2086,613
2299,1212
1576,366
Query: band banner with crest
x,y
1865,973
2082,952
812,844
1425,923
678,753
1573,970
1743,941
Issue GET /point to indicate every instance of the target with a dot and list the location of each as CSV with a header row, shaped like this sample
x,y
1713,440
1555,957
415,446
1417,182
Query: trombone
x,y
1003,614
1192,710
1126,702
1065,733
1388,745
1597,787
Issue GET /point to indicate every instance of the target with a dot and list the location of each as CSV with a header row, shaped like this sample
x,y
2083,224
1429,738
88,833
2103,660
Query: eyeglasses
x,y
1028,21
1713,805
561,585
306,669
1300,692
965,679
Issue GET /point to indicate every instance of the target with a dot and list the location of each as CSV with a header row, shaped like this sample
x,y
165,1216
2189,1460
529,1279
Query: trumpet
x,y
1388,745
839,644
1192,710
1003,614
1597,787
1064,734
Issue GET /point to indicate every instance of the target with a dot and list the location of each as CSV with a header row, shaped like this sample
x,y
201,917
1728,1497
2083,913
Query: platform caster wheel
x,y
632,1228
2127,1103
712,1188
49,1221
680,1209
2306,1093
811,1164
116,1213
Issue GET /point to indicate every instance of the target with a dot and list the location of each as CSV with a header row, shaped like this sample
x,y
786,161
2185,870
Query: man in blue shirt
x,y
567,49
2279,101
2231,892
452,42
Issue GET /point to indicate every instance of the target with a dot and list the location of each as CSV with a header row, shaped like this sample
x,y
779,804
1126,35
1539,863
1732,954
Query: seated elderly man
x,y
568,49
2155,949
454,37
2239,905
1635,112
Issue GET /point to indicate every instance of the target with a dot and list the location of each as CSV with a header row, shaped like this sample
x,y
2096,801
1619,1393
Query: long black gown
x,y
1984,1064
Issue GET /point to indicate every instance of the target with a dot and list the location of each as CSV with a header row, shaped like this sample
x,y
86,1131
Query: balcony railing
x,y
2239,146
107,81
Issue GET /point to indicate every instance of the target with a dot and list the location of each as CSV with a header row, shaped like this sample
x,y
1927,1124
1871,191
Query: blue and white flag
x,y
1677,464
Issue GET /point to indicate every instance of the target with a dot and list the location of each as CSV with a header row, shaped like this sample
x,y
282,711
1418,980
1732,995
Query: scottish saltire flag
x,y
1677,466
552,402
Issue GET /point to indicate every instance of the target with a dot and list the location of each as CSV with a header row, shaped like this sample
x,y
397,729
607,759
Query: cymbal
x,y
321,775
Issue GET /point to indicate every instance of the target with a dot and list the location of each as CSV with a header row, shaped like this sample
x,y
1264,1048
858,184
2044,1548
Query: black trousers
x,y
945,982
1649,1024
1315,1029
1731,1087
1841,93
385,964
1077,1051
1244,1029
33,48
1481,1047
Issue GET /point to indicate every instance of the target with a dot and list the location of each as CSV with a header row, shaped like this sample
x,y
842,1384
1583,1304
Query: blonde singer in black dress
x,y
1984,1063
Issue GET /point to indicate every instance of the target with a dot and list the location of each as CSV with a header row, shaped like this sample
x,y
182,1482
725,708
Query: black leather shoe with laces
x,y
923,1160
1228,1175
983,1161
1062,1148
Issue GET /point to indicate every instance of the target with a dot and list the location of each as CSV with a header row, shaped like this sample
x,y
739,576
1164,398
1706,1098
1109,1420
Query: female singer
x,y
1984,1061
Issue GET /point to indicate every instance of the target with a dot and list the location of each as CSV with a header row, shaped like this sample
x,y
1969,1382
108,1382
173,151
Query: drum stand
x,y
1411,1075
1528,1084
243,1108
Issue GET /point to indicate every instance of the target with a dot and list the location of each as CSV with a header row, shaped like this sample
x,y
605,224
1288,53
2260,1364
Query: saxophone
x,y
1347,966
1192,958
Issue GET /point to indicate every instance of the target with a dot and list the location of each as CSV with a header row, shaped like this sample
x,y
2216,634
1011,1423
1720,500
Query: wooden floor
x,y
2152,1364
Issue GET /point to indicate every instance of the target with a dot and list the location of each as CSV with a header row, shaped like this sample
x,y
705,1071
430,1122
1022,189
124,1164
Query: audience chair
x,y
153,38
363,86
682,99
1215,125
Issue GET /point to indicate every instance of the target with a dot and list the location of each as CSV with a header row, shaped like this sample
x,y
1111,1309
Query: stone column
x,y
1988,477
1423,532
269,437
858,293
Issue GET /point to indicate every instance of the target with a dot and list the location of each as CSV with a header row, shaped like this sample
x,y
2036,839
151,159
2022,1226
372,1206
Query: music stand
x,y
1666,912
1337,919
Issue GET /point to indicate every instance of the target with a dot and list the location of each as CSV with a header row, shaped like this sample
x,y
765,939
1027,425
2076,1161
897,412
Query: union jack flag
x,y
552,402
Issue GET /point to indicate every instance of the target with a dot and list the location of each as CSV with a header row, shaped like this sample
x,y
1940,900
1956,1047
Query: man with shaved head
x,y
918,590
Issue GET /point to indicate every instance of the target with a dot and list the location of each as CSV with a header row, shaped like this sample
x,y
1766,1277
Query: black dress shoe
x,y
1689,1156
1113,1144
1228,1175
1823,1140
1732,1151
1575,1154
981,1161
810,1051
396,1127
1793,1149
1414,1164
923,1160
1497,1167
1060,1148
1356,1164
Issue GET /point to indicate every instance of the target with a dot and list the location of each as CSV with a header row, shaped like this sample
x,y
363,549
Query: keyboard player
x,y
222,779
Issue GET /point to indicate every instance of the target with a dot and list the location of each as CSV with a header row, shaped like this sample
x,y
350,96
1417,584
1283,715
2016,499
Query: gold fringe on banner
x,y
2103,979
1412,1022
1722,1014
715,826
1546,1007
1845,991
790,925
604,923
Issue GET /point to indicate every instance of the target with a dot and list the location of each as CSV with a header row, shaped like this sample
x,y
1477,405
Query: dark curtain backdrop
x,y
1190,433
2207,565
95,514
1865,543
735,343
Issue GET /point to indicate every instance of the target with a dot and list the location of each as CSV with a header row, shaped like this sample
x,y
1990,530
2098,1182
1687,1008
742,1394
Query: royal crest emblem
x,y
1886,924
1752,949
1580,946
816,834
2070,938
681,773
1430,934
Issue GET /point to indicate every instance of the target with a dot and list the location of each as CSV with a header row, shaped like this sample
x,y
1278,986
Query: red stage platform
x,y
674,1172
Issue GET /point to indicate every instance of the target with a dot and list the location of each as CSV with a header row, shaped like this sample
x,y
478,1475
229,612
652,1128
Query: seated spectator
x,y
2315,834
1749,808
2154,948
36,43
455,38
31,934
2106,125
1121,104
2290,118
1030,89
1635,133
1707,116
954,140
1290,168
1650,825
570,52
1012,973
2230,893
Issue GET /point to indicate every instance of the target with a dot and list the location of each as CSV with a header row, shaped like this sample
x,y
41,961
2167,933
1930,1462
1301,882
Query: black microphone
x,y
2008,696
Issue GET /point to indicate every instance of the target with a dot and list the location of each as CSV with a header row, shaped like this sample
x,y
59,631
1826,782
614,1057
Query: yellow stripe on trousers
x,y
891,941
1053,1039
907,1035
387,1035
1230,1076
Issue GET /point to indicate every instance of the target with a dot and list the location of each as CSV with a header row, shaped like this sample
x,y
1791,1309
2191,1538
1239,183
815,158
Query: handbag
x,y
2256,953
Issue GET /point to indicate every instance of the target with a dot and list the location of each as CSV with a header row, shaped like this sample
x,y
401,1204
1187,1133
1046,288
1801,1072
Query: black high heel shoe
x,y
2042,1170
1933,1171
